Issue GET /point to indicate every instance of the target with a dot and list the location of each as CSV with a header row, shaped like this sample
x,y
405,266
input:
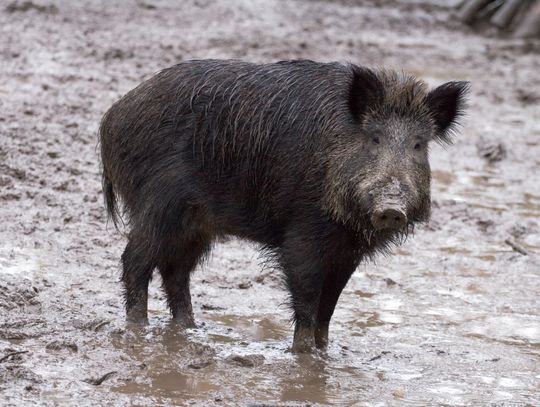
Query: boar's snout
x,y
392,218
388,202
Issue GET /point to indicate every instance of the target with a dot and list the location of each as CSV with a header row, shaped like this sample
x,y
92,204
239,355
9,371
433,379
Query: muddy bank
x,y
452,318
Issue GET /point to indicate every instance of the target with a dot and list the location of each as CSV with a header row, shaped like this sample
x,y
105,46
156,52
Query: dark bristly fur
x,y
294,155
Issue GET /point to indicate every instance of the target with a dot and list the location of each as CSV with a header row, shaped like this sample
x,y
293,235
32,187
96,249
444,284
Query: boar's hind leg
x,y
334,284
138,265
175,272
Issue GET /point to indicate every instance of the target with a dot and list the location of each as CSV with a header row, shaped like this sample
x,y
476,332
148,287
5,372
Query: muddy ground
x,y
453,318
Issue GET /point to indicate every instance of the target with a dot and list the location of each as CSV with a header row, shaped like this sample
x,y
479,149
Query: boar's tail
x,y
110,196
110,201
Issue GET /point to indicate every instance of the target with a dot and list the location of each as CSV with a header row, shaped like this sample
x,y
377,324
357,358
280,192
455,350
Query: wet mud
x,y
451,318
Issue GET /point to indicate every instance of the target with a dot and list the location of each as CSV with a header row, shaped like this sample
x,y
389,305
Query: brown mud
x,y
453,318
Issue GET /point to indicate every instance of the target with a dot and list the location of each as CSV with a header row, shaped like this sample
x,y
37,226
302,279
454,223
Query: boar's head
x,y
379,176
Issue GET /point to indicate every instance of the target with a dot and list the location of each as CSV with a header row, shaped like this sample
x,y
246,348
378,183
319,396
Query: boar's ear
x,y
447,104
366,90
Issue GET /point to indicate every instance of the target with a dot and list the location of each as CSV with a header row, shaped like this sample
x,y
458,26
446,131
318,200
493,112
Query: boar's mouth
x,y
394,206
388,235
391,215
380,213
391,218
385,232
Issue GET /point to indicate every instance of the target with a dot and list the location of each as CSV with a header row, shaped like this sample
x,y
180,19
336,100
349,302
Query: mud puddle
x,y
452,318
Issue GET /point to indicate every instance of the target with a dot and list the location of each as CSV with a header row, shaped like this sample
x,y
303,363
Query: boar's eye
x,y
376,140
418,146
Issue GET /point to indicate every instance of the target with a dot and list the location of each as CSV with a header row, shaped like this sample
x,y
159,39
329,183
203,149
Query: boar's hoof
x,y
388,218
137,313
321,337
184,322
137,317
304,341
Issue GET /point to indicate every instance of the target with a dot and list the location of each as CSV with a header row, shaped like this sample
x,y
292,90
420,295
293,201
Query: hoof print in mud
x,y
97,381
61,345
200,364
245,361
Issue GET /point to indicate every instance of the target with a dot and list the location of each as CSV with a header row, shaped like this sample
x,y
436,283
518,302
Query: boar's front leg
x,y
306,257
318,258
304,275
344,265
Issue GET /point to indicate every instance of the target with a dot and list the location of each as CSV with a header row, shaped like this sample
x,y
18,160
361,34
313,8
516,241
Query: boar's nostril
x,y
388,218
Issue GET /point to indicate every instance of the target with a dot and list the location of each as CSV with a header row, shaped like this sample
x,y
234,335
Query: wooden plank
x,y
530,27
503,17
468,10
